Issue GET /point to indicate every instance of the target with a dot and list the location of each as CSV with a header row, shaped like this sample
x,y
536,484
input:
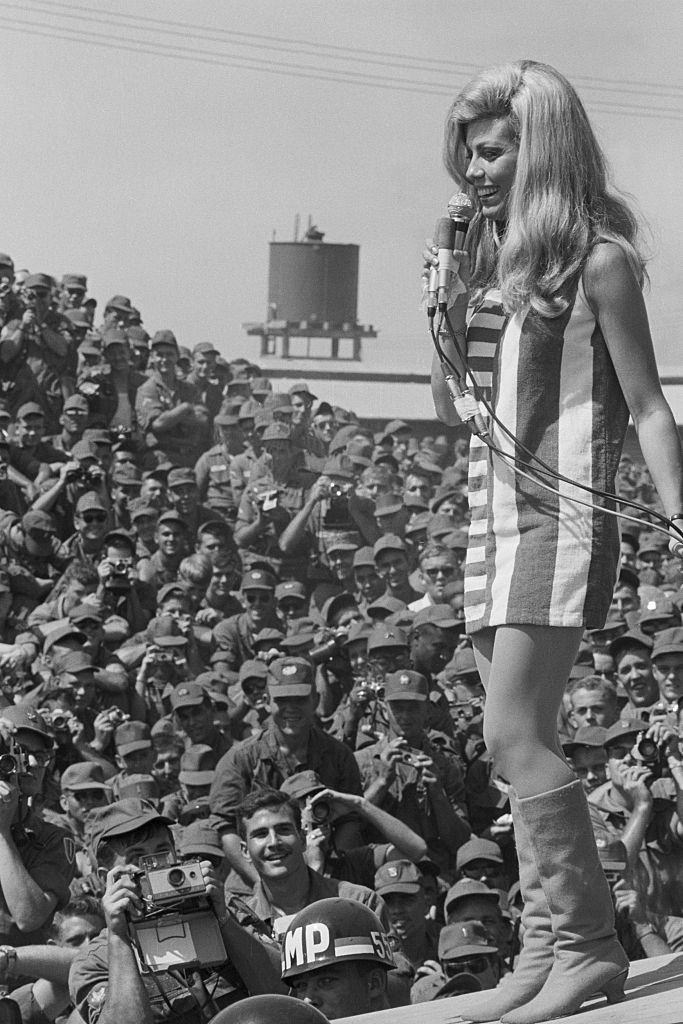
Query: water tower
x,y
312,294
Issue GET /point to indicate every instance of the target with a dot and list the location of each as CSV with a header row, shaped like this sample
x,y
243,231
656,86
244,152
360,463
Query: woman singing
x,y
556,335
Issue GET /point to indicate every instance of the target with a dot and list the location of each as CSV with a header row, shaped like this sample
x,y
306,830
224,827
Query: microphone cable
x,y
469,412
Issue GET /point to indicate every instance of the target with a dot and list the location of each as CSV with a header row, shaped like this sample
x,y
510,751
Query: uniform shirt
x,y
89,979
258,763
154,397
235,635
49,855
213,474
659,871
258,915
409,802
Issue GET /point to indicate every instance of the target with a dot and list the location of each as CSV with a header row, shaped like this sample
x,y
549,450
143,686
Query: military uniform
x,y
180,446
213,475
258,763
409,802
49,855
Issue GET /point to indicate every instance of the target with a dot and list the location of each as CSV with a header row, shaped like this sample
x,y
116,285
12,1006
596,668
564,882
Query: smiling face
x,y
491,164
294,716
273,844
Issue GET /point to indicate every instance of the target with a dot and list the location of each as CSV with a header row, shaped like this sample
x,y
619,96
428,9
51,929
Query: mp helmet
x,y
334,931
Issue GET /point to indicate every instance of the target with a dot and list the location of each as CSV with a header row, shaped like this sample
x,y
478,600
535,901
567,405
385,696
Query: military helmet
x,y
334,931
269,1009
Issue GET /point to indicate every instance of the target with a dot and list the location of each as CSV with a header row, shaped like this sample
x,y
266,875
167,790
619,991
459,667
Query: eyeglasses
x,y
469,964
93,517
440,570
485,870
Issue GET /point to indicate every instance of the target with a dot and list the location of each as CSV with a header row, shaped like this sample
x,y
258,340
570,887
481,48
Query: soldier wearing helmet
x,y
336,956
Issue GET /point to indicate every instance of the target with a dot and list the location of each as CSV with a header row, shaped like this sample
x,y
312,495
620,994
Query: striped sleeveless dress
x,y
534,557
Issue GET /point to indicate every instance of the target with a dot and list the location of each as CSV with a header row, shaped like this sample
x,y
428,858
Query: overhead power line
x,y
357,54
218,57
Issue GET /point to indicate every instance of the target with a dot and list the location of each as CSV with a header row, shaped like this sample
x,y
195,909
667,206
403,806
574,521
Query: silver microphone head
x,y
460,207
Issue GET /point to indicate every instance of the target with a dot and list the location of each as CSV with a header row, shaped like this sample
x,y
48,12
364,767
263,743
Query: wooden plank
x,y
654,996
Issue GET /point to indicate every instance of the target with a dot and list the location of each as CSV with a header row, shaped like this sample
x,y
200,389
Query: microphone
x,y
461,212
440,276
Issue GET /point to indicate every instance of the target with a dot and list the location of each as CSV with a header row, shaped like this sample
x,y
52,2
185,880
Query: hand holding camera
x,y
122,899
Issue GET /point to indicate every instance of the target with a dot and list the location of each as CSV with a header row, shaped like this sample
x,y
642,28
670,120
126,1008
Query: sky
x,y
162,175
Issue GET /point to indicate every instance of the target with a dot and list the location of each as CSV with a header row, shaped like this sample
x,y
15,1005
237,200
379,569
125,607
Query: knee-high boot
x,y
536,958
587,956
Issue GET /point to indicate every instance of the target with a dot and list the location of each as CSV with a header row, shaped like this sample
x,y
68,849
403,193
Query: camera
x,y
331,645
612,858
177,926
13,760
314,815
335,492
117,717
268,500
651,755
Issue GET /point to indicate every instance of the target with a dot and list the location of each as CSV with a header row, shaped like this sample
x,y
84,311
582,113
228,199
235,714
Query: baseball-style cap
x,y
465,888
140,786
121,303
179,475
462,664
277,431
406,685
668,641
586,736
37,520
398,876
440,615
383,636
290,677
130,736
84,775
198,839
204,347
187,695
168,590
632,636
624,728
24,717
171,516
120,818
90,502
465,938
76,402
478,849
363,556
289,589
302,784
164,337
389,542
252,668
302,388
198,765
86,612
257,579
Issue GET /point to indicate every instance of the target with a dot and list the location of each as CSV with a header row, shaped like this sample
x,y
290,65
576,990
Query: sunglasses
x,y
258,597
470,964
441,570
93,517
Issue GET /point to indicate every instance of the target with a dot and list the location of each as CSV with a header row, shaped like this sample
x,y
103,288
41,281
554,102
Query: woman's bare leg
x,y
524,670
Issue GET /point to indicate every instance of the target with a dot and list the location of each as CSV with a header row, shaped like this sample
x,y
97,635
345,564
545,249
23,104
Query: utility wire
x,y
343,76
399,60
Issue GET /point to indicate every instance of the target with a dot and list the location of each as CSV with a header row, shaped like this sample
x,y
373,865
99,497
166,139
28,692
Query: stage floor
x,y
654,996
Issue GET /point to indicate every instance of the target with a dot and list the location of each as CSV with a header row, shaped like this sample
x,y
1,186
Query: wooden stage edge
x,y
654,995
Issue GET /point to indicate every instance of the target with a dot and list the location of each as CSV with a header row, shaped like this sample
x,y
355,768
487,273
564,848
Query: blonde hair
x,y
560,204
